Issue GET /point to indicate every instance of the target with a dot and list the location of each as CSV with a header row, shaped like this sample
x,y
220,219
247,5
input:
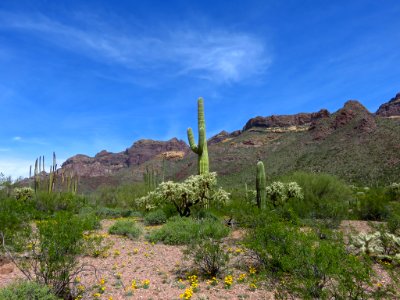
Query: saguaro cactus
x,y
201,148
261,185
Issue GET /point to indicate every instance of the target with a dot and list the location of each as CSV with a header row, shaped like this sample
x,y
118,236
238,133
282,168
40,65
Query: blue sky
x,y
82,76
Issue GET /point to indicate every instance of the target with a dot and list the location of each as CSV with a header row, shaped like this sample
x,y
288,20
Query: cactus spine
x,y
201,148
261,185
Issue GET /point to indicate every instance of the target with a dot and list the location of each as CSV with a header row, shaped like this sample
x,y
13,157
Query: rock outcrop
x,y
280,121
352,114
223,136
106,163
391,108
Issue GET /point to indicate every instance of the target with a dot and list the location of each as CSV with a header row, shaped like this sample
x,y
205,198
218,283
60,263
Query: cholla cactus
x,y
280,192
196,190
381,245
23,193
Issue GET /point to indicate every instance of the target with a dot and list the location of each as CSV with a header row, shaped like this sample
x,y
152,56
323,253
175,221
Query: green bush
x,y
325,197
53,202
127,228
90,220
155,217
14,222
53,250
372,204
107,212
208,256
393,220
27,290
312,268
180,231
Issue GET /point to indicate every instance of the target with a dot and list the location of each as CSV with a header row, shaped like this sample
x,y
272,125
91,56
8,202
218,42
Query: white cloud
x,y
14,167
219,55
17,138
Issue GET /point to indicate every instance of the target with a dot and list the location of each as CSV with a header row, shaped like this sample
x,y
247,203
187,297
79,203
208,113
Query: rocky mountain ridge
x,y
260,135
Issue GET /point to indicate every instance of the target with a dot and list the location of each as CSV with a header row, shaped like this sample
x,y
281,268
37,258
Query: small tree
x,y
196,190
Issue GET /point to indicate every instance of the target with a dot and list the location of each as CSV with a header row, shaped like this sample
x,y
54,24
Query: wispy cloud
x,y
14,167
215,54
16,138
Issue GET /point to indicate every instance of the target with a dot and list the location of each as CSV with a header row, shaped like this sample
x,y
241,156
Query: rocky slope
x,y
351,143
107,163
391,108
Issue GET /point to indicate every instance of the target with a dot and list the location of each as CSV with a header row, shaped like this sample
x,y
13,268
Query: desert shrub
x,y
53,250
372,204
180,231
311,267
96,244
208,256
90,220
393,220
199,190
325,197
127,228
123,196
53,202
394,191
155,217
27,290
107,212
14,222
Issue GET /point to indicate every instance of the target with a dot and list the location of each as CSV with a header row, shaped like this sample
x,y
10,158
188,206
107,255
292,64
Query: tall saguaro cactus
x,y
261,185
201,148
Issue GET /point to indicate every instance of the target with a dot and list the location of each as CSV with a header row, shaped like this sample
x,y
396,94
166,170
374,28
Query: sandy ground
x,y
162,265
166,269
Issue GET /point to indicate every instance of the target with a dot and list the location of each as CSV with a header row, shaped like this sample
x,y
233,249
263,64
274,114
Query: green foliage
x,y
310,267
53,202
261,186
208,256
14,222
53,250
196,190
106,212
89,218
127,228
201,148
123,196
372,204
393,220
27,290
325,197
394,191
180,231
155,217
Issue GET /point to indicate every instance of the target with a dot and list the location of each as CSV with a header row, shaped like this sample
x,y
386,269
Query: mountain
x,y
358,146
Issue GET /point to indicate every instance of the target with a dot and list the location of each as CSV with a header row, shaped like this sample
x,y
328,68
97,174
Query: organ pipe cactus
x,y
201,148
261,186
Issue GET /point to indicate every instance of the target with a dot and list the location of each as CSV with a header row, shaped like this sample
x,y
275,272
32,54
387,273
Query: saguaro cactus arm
x,y
192,143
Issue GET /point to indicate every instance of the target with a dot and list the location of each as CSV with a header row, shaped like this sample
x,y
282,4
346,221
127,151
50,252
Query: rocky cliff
x,y
280,121
107,163
391,108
